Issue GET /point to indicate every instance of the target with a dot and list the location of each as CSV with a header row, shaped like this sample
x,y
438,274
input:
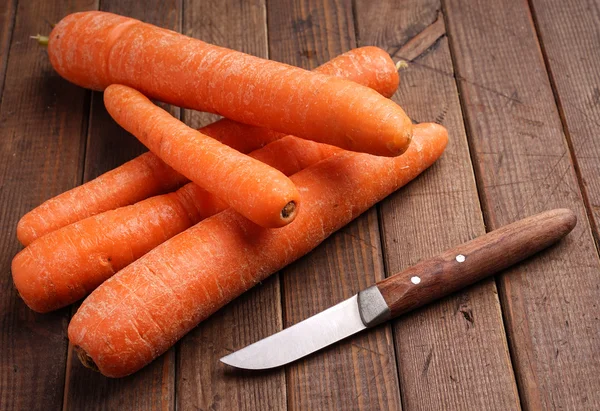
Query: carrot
x,y
147,175
140,312
67,264
96,49
257,191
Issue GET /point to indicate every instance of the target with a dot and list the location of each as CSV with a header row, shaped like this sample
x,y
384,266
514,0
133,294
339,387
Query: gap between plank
x,y
563,119
85,130
277,274
420,43
12,23
380,226
181,5
486,215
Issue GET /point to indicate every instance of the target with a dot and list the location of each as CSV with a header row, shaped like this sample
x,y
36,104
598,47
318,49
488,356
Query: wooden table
x,y
516,84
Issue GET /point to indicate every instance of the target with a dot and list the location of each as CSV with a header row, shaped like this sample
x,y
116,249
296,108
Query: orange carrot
x,y
144,309
147,175
96,49
67,264
257,191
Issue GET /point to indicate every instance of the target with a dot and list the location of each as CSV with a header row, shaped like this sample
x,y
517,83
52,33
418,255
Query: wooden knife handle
x,y
472,261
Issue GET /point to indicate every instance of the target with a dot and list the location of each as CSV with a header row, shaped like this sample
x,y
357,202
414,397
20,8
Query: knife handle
x,y
472,261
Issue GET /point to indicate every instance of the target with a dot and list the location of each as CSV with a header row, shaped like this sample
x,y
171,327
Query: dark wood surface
x,y
516,84
571,60
453,352
523,166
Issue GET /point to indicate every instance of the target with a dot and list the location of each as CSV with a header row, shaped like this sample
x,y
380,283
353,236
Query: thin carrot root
x,y
254,189
42,40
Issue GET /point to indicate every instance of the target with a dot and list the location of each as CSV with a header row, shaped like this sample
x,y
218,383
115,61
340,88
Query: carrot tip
x,y
85,359
42,40
289,210
401,65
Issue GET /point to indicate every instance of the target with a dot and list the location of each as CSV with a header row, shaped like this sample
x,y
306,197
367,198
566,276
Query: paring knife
x,y
421,284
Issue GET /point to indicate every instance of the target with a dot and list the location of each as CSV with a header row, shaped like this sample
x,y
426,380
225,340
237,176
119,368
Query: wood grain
x,y
452,354
7,20
203,382
470,262
109,146
523,166
359,373
43,119
569,34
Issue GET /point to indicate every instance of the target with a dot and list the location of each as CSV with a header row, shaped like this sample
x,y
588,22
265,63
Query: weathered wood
x,y
470,262
359,373
109,146
422,41
7,20
523,166
43,119
452,354
203,382
569,34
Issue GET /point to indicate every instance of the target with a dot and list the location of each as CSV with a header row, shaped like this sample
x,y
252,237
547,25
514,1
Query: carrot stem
x,y
401,65
42,40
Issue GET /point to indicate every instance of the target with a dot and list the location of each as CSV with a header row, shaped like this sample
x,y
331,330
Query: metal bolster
x,y
372,307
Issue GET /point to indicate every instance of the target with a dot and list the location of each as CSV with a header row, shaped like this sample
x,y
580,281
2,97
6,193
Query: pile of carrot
x,y
165,240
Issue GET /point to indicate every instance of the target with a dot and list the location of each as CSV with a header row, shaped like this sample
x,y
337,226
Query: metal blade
x,y
299,340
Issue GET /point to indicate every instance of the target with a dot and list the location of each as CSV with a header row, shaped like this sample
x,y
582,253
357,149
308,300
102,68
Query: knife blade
x,y
420,284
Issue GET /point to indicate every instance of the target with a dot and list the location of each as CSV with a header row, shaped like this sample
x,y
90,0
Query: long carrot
x,y
257,191
147,175
96,49
67,264
139,313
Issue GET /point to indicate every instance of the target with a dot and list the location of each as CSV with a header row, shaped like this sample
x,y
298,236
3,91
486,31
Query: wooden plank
x,y
569,35
7,19
417,45
452,354
42,140
203,382
359,373
523,167
109,146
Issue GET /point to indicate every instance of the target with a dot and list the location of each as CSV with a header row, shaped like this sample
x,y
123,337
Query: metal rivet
x,y
415,280
461,258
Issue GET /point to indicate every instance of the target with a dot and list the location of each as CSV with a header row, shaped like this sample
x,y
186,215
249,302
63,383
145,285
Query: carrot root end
x,y
289,210
85,359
